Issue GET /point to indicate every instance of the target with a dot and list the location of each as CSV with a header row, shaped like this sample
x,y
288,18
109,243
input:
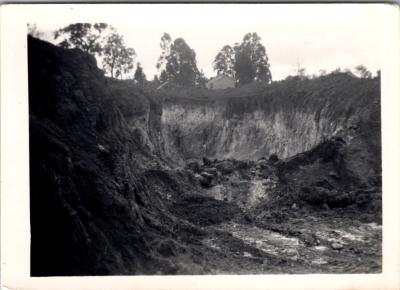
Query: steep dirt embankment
x,y
92,209
284,118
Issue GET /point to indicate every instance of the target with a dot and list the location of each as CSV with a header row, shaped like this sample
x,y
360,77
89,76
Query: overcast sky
x,y
314,36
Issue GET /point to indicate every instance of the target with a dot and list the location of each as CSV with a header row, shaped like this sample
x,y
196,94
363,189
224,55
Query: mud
x,y
321,244
301,244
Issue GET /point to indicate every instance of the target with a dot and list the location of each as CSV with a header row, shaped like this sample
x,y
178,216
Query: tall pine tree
x,y
139,75
179,62
246,62
224,62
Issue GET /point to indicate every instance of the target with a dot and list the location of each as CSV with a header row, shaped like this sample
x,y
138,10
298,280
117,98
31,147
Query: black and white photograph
x,y
206,139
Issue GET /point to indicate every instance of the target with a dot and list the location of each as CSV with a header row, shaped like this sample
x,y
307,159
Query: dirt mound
x,y
324,177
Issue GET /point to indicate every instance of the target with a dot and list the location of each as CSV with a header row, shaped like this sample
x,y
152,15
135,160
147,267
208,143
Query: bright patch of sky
x,y
313,36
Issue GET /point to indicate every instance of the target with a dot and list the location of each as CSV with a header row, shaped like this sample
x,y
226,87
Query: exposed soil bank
x,y
284,118
107,198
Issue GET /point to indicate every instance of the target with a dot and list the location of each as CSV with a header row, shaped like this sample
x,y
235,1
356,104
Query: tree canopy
x,y
178,62
363,72
33,31
118,60
244,66
224,61
246,62
139,75
84,36
165,44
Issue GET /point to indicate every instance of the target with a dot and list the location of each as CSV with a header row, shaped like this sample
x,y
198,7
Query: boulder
x,y
193,166
211,170
338,199
336,246
206,179
273,158
240,164
325,198
267,172
314,195
206,161
262,164
225,167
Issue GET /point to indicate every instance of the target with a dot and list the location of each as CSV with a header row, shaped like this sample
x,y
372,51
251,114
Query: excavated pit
x,y
253,180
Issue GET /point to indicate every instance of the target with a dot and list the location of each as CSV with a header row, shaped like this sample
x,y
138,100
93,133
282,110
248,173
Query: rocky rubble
x,y
320,178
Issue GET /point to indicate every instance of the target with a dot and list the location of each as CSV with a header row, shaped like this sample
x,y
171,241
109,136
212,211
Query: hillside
x,y
119,185
91,211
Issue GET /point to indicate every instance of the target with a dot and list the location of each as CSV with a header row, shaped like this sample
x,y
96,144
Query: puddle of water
x,y
291,242
319,261
265,240
350,236
321,248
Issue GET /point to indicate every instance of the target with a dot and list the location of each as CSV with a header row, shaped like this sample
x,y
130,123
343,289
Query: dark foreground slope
x,y
106,200
91,210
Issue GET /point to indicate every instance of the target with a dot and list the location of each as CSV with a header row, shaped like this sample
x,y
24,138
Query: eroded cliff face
x,y
284,119
107,193
253,135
